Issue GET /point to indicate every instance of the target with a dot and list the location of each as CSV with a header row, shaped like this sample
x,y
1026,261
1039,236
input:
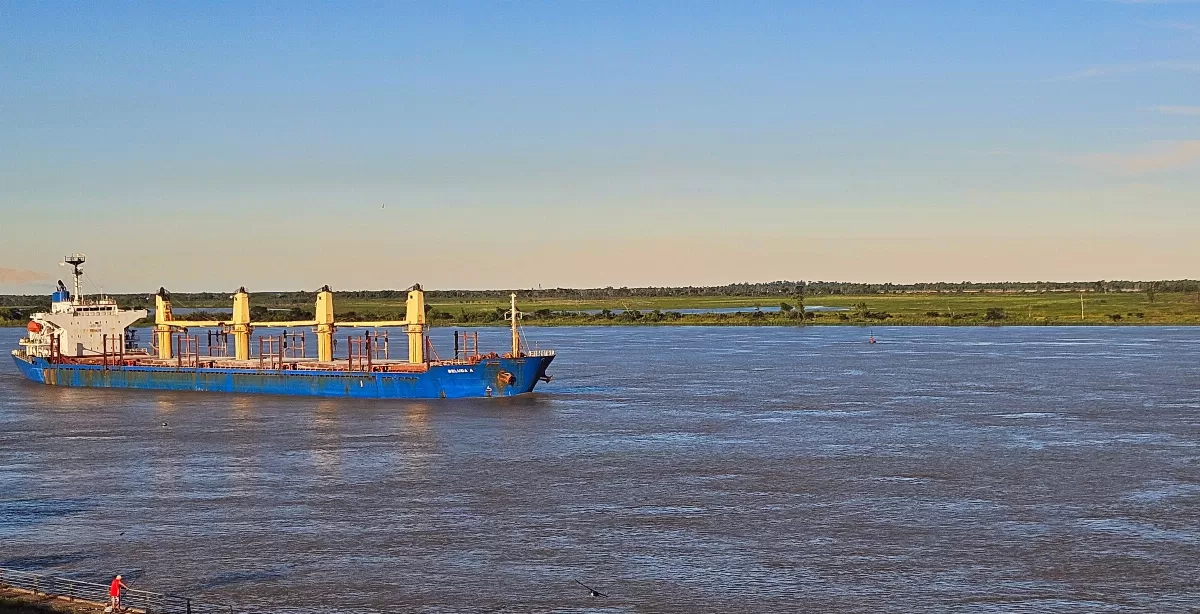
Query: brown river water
x,y
674,469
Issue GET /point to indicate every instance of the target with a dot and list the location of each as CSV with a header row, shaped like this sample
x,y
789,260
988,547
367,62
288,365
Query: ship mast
x,y
516,335
77,260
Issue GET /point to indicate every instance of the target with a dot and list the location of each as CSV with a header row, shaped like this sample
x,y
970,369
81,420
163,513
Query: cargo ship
x,y
87,342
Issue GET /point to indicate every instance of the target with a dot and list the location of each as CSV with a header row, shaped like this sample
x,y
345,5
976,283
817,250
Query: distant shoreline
x,y
772,324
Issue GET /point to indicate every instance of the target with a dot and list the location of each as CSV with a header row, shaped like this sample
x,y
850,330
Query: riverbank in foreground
x,y
20,602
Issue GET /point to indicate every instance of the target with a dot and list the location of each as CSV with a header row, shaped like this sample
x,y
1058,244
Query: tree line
x,y
783,289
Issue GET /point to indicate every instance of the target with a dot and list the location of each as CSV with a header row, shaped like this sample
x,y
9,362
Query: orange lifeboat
x,y
34,327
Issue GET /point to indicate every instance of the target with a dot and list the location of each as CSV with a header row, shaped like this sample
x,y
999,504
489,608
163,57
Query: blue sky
x,y
481,145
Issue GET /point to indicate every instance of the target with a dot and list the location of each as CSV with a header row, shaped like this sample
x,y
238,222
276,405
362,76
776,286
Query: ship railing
x,y
539,353
27,342
457,361
78,590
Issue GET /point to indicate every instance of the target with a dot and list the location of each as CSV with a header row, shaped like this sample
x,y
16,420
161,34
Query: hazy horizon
x,y
203,147
92,288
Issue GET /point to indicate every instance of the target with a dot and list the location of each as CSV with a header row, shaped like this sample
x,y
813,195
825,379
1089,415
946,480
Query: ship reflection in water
x,y
964,469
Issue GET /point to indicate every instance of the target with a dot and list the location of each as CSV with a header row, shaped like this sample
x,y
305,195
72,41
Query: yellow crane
x,y
241,327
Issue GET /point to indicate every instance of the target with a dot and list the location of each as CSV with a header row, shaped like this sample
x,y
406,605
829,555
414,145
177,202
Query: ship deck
x,y
276,364
286,363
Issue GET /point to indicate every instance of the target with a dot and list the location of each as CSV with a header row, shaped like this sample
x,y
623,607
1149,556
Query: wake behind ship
x,y
87,342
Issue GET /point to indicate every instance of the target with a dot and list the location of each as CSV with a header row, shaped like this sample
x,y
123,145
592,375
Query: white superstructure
x,y
79,326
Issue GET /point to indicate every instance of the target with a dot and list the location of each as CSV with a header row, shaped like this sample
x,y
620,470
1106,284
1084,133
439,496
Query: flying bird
x,y
591,591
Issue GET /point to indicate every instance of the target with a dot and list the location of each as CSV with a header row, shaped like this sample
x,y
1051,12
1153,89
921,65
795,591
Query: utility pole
x,y
1081,306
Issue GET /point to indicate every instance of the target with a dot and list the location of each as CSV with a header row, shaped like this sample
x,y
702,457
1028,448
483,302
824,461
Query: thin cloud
x,y
1183,26
20,276
1157,157
1178,26
1170,109
1154,1
1110,70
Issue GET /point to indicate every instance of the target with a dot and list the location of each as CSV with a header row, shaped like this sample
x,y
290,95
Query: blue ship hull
x,y
440,381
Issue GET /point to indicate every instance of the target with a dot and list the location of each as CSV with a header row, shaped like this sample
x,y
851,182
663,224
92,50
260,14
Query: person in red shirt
x,y
114,592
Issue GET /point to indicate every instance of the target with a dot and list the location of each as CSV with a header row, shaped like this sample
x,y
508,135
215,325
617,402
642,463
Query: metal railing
x,y
133,600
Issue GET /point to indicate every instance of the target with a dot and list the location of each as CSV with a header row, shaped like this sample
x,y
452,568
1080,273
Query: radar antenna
x,y
76,261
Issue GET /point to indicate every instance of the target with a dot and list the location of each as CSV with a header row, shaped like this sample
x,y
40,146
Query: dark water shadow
x,y
46,562
247,576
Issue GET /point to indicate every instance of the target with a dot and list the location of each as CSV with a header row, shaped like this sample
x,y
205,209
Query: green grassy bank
x,y
893,309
